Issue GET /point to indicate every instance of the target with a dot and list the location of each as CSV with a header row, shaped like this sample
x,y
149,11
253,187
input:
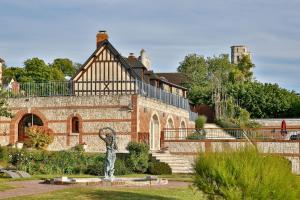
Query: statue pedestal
x,y
136,182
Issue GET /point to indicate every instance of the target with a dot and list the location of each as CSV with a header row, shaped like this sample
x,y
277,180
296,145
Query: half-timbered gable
x,y
108,90
105,72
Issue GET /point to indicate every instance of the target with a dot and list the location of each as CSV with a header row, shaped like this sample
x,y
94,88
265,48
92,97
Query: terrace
x,y
97,88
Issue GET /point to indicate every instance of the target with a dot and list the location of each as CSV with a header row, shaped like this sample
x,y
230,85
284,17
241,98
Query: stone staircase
x,y
178,164
217,133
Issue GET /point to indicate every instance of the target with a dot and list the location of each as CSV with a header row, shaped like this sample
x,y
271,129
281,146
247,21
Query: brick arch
x,y
69,127
170,117
158,118
157,138
13,127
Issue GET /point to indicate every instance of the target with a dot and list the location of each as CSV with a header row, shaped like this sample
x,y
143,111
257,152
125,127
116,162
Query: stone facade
x,y
237,52
127,114
191,148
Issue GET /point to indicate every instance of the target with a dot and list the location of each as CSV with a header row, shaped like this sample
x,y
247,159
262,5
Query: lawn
x,y
120,194
5,187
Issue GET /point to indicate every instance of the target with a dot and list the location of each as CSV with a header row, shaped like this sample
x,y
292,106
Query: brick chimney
x,y
132,57
101,35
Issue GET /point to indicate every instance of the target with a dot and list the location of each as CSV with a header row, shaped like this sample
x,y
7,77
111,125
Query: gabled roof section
x,y
134,63
173,77
111,48
157,76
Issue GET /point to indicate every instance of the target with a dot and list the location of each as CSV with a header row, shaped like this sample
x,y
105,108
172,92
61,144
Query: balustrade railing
x,y
87,88
232,134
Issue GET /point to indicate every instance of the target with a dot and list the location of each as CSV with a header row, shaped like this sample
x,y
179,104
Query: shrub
x,y
245,174
200,121
159,168
138,156
63,162
39,137
226,123
3,154
197,135
96,167
121,168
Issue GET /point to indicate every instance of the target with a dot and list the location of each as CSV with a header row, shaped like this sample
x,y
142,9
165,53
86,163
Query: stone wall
x,y
148,107
94,112
190,148
127,114
4,140
277,122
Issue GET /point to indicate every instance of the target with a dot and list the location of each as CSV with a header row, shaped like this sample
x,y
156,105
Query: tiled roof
x,y
173,77
134,63
2,61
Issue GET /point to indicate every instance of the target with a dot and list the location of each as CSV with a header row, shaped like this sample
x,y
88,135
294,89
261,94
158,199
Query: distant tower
x,y
237,52
1,65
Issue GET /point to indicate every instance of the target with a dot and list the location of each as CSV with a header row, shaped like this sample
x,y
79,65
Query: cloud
x,y
167,29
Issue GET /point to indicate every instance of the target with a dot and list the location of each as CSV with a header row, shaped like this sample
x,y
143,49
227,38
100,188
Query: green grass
x,y
120,194
4,187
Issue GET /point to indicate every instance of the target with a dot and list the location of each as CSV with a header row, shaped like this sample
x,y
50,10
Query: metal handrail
x,y
71,88
232,134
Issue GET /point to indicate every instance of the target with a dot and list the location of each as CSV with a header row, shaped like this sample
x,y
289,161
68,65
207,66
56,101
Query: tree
x,y
246,66
207,79
215,81
65,65
15,73
265,100
4,112
36,70
195,68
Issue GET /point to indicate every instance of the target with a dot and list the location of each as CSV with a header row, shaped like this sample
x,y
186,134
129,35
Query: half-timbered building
x,y
109,90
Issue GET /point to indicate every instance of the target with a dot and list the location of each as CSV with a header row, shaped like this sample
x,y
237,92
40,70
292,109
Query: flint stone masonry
x,y
58,144
177,147
4,140
126,114
277,122
95,112
159,106
148,107
97,145
278,147
190,149
95,126
221,146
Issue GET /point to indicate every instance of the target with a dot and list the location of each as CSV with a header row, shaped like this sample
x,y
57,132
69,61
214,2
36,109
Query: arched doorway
x,y
182,131
170,133
154,139
27,121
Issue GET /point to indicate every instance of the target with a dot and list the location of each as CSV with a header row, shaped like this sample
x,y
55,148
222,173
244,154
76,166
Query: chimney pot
x,y
132,57
101,36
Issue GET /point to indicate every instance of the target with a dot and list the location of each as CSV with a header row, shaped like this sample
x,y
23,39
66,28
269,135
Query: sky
x,y
167,29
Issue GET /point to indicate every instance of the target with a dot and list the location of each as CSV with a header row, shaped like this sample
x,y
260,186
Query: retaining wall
x,y
124,113
191,148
